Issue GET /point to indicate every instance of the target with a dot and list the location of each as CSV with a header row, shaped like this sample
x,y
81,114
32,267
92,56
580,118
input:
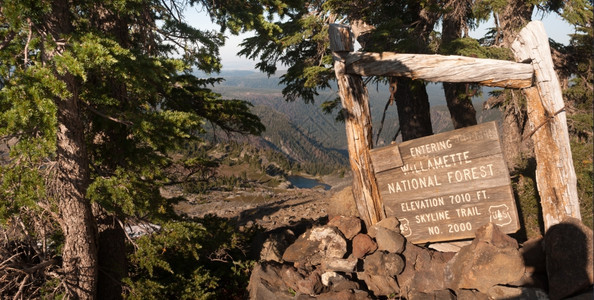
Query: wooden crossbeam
x,y
441,68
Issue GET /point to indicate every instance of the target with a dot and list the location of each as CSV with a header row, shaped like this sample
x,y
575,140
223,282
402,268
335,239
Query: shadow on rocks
x,y
568,250
270,245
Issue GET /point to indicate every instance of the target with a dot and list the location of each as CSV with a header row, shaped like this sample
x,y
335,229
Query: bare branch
x,y
7,40
127,123
6,261
26,51
48,209
547,120
127,235
177,14
42,265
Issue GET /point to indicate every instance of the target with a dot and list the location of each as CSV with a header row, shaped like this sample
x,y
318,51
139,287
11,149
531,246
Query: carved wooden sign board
x,y
445,186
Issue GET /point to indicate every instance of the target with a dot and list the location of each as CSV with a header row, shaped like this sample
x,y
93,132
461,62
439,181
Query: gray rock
x,y
275,245
389,240
380,285
290,277
341,284
342,203
363,245
317,245
471,295
344,295
492,258
383,263
390,223
435,295
587,295
346,265
349,226
337,282
326,276
266,283
449,246
532,252
424,269
310,285
568,248
333,295
499,292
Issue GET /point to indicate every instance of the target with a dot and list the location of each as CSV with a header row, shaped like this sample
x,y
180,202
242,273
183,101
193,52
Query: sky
x,y
556,28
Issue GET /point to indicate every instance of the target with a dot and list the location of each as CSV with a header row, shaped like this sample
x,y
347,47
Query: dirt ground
x,y
268,208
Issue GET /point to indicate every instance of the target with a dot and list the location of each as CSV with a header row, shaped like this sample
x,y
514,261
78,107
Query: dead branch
x,y
26,51
21,287
127,123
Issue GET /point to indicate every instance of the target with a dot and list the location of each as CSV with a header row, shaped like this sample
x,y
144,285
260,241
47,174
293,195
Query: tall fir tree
x,y
294,34
94,97
456,21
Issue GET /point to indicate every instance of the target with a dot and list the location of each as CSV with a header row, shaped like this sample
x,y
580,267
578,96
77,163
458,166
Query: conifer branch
x,y
7,40
127,123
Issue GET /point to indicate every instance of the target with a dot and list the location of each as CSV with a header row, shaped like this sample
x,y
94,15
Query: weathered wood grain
x,y
459,163
416,223
555,174
440,68
355,103
483,172
478,141
386,158
341,39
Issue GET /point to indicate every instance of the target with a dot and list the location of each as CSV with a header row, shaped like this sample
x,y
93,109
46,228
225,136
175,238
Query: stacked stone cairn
x,y
343,260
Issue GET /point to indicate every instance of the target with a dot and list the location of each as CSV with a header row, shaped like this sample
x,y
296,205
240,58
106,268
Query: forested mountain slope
x,y
305,134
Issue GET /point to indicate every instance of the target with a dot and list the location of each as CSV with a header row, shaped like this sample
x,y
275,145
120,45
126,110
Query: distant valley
x,y
304,134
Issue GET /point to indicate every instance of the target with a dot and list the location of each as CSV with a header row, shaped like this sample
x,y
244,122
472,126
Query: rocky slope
x,y
314,247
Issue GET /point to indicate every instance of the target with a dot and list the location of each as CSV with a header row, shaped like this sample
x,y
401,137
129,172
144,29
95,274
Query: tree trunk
x,y
80,232
460,105
515,15
111,255
79,253
511,136
414,113
112,260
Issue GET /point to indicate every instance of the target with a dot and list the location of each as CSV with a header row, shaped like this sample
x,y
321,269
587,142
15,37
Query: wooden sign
x,y
445,186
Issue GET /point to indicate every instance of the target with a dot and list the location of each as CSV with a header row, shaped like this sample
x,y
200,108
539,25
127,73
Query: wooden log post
x,y
441,68
355,103
555,174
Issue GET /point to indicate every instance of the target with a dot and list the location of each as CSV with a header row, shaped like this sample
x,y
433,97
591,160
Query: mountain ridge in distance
x,y
303,133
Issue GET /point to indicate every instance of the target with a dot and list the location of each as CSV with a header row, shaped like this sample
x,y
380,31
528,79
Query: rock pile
x,y
343,260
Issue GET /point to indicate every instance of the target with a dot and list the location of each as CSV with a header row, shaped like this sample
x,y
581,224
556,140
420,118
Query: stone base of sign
x,y
449,246
492,266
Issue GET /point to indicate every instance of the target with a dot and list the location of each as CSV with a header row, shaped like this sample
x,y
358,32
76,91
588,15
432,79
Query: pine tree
x,y
579,98
456,19
94,96
294,34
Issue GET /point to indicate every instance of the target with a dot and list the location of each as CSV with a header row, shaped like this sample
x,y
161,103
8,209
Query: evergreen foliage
x,y
398,26
126,67
108,90
579,96
193,259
